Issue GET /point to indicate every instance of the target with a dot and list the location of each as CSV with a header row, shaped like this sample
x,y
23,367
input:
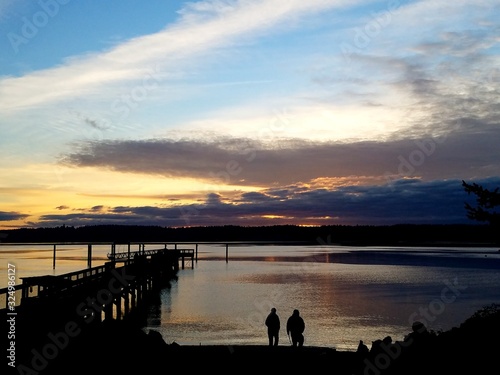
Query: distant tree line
x,y
458,234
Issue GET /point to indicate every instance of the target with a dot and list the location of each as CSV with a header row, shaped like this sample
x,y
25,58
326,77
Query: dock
x,y
44,313
47,314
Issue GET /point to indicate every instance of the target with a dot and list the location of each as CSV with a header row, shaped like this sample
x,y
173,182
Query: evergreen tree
x,y
486,201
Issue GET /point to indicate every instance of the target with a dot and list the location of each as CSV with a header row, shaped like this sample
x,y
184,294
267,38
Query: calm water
x,y
344,294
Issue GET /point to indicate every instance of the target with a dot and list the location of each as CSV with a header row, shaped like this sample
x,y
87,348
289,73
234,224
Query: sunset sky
x,y
250,112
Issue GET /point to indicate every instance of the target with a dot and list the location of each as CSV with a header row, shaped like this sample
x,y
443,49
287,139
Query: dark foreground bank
x,y
117,347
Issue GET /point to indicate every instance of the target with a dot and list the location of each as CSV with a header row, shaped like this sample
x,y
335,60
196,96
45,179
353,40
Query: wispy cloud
x,y
260,102
203,27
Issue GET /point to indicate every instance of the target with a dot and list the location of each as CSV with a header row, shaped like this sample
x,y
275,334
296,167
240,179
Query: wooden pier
x,y
184,255
44,314
48,308
39,287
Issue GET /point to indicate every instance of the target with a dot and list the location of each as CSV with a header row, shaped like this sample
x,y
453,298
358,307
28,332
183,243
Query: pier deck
x,y
51,311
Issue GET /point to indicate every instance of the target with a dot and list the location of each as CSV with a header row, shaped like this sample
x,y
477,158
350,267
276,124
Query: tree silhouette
x,y
486,201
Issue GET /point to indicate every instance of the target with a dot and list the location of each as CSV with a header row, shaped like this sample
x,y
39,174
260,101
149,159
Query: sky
x,y
246,112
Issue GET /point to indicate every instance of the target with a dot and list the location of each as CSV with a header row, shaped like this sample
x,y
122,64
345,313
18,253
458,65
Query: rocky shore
x,y
120,347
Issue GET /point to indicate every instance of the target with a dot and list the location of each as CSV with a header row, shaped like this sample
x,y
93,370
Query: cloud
x,y
470,150
410,201
465,44
11,215
256,197
203,28
94,124
446,72
410,108
81,219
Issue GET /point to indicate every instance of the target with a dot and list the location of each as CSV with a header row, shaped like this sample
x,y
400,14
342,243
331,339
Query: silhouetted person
x,y
419,334
273,327
376,348
295,327
362,349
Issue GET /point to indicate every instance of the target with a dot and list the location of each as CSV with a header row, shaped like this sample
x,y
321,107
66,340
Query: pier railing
x,y
47,285
40,287
48,307
33,287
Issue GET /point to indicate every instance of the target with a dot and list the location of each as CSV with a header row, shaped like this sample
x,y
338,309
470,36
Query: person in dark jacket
x,y
295,327
273,327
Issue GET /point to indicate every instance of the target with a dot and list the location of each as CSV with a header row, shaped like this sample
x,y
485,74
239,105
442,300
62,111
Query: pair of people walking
x,y
294,328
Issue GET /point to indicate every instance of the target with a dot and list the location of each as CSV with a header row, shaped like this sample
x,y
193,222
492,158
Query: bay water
x,y
345,294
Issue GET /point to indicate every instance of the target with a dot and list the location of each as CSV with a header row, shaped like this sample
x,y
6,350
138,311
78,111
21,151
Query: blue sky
x,y
243,112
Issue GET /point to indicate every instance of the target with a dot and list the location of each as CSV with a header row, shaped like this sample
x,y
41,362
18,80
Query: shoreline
x,y
349,235
122,347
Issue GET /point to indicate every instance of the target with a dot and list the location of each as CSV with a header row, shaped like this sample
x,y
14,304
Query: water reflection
x,y
344,293
219,303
